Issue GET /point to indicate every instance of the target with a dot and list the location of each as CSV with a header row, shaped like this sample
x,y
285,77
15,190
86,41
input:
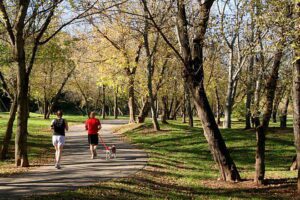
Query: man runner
x,y
93,125
59,126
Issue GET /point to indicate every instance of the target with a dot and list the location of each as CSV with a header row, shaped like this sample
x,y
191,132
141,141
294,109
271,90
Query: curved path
x,y
77,167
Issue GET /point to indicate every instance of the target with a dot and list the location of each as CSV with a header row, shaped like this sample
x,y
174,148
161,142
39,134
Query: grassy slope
x,y
39,141
181,167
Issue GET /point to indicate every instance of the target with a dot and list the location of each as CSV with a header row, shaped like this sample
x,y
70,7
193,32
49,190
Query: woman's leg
x,y
59,154
56,153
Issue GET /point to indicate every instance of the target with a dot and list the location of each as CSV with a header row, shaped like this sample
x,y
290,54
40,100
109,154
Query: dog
x,y
111,152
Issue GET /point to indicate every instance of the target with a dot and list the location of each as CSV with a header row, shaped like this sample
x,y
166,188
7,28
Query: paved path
x,y
77,167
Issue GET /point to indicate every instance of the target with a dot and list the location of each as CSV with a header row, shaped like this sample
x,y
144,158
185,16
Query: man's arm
x,y
86,125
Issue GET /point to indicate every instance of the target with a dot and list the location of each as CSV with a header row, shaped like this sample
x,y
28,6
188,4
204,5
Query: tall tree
x,y
150,66
237,52
191,57
12,115
296,89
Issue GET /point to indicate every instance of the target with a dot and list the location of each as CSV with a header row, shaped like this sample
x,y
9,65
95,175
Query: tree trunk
x,y
283,117
227,115
9,130
131,103
164,110
103,102
175,111
144,111
50,110
189,108
218,106
116,104
250,78
296,93
260,153
229,95
21,157
276,105
170,107
154,116
261,129
150,69
46,109
274,115
294,165
184,107
249,93
212,134
192,57
120,112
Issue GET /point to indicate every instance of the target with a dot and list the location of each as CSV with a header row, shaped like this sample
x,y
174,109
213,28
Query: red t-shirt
x,y
91,125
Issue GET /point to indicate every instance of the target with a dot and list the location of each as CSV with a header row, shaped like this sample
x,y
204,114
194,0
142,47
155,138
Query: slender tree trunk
x,y
157,107
9,130
116,104
227,115
175,111
170,107
184,107
229,98
260,152
164,110
154,116
283,117
50,109
249,93
189,108
261,129
120,112
276,105
46,108
103,102
144,111
131,103
150,69
218,106
274,115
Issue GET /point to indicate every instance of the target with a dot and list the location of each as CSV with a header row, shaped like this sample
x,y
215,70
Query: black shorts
x,y
93,139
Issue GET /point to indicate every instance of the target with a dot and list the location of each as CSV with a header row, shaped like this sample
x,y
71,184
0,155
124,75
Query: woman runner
x,y
59,126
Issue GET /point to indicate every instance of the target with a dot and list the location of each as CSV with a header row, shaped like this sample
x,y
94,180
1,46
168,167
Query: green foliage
x,y
239,111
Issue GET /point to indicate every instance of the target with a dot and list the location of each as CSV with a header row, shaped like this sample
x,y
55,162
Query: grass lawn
x,y
39,141
181,167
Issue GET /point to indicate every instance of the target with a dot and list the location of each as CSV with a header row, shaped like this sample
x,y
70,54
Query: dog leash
x,y
102,142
